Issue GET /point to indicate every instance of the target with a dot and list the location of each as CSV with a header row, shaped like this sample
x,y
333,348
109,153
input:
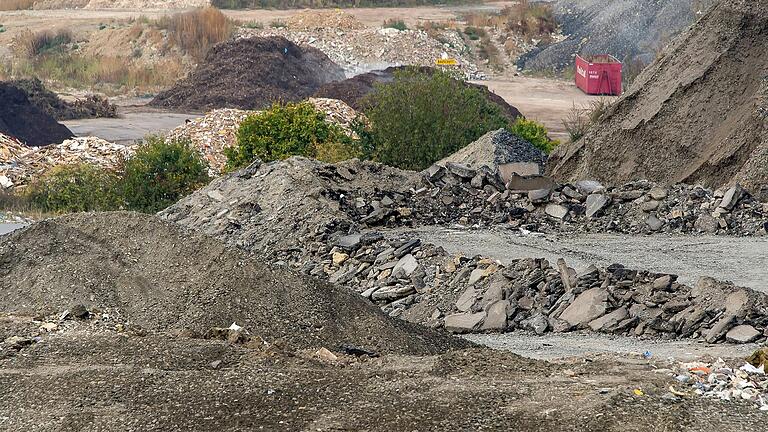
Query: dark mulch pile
x,y
252,74
92,106
353,90
21,119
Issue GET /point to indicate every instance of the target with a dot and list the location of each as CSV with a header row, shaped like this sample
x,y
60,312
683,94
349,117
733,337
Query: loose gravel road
x,y
742,260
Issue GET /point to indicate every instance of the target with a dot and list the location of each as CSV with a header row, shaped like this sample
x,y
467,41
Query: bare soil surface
x,y
78,380
546,100
741,260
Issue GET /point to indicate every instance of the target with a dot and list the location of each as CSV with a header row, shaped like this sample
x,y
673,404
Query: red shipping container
x,y
599,75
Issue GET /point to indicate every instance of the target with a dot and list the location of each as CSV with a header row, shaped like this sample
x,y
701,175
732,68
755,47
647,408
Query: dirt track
x,y
741,260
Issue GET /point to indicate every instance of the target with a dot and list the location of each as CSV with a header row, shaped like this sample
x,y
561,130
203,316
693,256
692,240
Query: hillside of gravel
x,y
354,90
699,114
251,73
148,273
21,119
631,30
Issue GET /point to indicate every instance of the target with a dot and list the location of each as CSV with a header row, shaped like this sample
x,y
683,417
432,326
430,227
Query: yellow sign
x,y
446,62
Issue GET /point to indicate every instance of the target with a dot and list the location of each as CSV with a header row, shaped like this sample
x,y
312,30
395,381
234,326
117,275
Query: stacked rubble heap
x,y
21,119
251,73
699,114
149,274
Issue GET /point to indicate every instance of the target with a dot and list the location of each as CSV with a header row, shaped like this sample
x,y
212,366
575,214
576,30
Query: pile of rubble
x,y
217,130
358,50
721,381
22,167
315,20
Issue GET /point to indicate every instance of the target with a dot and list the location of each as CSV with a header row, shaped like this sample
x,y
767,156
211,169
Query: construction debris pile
x,y
217,130
359,49
19,165
721,381
241,74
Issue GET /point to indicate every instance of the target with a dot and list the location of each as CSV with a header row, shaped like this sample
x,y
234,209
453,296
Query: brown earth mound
x,y
699,114
252,73
355,89
21,119
155,275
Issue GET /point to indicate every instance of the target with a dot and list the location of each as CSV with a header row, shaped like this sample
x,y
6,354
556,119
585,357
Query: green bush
x,y
395,24
161,173
289,130
74,188
420,118
474,33
535,133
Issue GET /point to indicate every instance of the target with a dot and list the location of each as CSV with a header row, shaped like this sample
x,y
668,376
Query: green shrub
x,y
395,24
160,173
421,118
474,33
289,130
278,24
74,188
535,133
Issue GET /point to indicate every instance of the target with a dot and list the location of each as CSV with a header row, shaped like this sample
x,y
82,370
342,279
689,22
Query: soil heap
x,y
145,272
251,73
21,119
92,106
631,30
699,114
355,89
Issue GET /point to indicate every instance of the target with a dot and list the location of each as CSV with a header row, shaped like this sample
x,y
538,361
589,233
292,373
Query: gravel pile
x,y
149,274
631,30
251,73
497,149
21,119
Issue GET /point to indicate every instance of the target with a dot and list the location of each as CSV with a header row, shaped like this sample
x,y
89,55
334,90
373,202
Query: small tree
x,y
289,130
161,173
74,188
535,133
421,118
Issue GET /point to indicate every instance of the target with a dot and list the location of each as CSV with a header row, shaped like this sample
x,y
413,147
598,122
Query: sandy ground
x,y
742,260
546,100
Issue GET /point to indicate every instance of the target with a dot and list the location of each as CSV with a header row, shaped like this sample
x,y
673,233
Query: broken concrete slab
x,y
405,266
496,316
596,203
463,322
556,211
610,320
588,306
742,334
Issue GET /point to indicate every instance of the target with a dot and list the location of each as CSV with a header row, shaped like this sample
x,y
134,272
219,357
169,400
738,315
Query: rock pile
x,y
503,152
251,73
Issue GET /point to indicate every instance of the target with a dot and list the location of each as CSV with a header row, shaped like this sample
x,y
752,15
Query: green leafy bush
x,y
74,188
289,130
395,24
535,133
421,118
160,173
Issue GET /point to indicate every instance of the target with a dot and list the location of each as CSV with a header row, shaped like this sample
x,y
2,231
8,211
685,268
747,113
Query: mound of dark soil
x,y
92,106
21,119
355,89
155,275
631,30
699,114
252,74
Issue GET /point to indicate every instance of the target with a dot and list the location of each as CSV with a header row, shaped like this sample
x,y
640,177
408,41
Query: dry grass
x,y
530,20
10,5
196,31
580,119
29,44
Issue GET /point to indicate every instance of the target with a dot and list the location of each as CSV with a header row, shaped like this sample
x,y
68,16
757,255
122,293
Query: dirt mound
x,y
92,106
22,119
154,275
631,30
251,74
699,114
355,89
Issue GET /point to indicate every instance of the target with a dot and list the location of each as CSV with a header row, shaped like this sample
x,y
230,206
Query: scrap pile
x,y
359,50
217,130
19,168
211,134
11,151
721,381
